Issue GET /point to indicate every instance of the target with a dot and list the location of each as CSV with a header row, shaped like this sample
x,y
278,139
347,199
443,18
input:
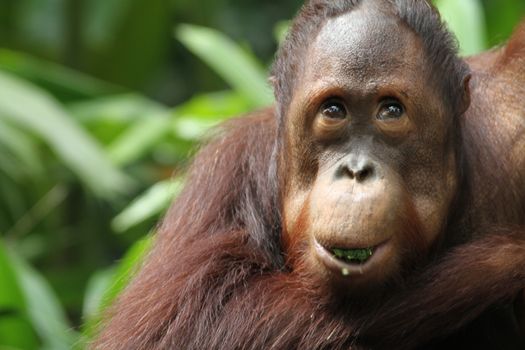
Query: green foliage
x,y
104,286
281,30
63,82
236,66
148,205
97,118
466,19
36,111
43,308
15,328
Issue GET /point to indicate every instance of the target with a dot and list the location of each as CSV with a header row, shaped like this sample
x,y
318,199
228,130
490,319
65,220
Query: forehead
x,y
366,45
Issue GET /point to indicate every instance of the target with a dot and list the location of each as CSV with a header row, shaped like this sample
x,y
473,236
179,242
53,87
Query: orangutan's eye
x,y
391,110
334,110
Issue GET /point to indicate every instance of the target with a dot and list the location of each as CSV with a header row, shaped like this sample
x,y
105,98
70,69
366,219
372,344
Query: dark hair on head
x,y
305,27
419,15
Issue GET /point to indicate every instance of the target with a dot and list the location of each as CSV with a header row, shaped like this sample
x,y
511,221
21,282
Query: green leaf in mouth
x,y
353,255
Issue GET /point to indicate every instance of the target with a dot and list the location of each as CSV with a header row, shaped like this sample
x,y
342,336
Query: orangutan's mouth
x,y
353,261
353,256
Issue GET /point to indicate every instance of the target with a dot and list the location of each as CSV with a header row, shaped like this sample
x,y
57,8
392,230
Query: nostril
x,y
365,173
361,174
359,168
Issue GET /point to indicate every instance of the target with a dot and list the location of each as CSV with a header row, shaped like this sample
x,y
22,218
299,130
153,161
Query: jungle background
x,y
102,104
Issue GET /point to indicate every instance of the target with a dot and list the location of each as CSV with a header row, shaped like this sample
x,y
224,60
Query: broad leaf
x,y
195,117
120,278
233,64
153,202
15,329
61,81
98,284
466,20
139,139
43,308
33,109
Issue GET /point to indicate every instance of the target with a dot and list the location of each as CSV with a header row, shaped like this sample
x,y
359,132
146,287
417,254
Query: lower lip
x,y
351,270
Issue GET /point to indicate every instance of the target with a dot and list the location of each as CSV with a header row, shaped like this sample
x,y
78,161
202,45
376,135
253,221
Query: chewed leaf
x,y
353,255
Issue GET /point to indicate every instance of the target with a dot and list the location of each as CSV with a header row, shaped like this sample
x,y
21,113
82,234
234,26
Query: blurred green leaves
x,y
63,82
29,308
236,66
43,308
105,286
15,328
466,19
106,140
36,111
24,160
148,205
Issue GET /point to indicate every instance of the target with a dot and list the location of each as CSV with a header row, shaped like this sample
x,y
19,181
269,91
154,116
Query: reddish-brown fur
x,y
217,277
